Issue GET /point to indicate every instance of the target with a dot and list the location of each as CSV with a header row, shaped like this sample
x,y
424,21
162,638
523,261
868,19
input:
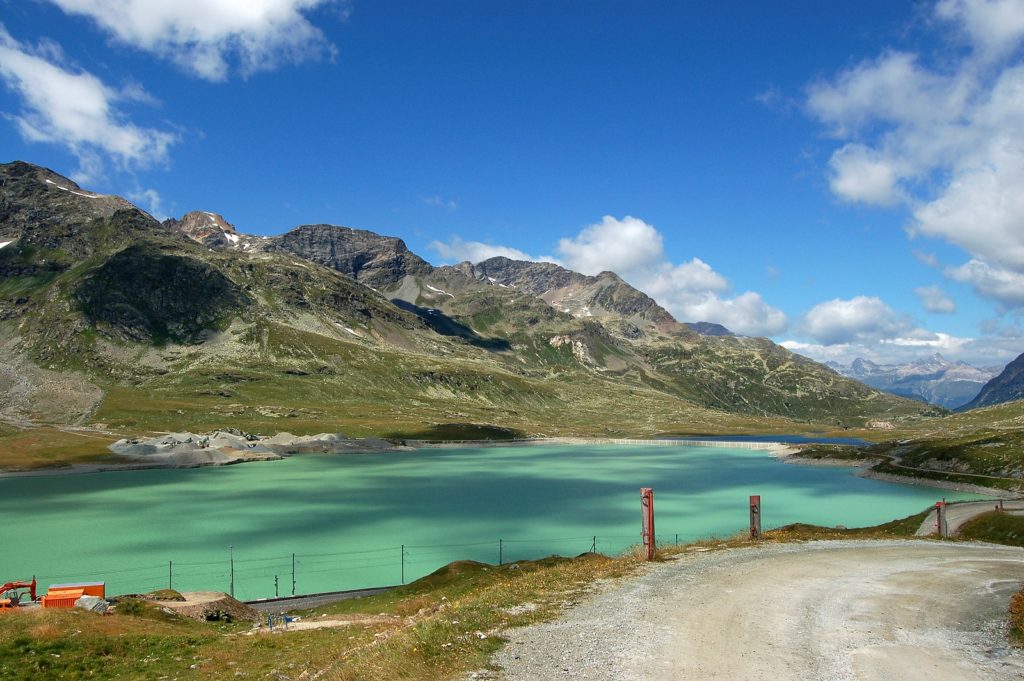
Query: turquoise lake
x,y
346,517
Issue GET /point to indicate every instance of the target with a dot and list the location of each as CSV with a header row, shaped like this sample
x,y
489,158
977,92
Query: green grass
x,y
49,447
459,432
66,644
439,627
314,384
829,452
996,526
1007,484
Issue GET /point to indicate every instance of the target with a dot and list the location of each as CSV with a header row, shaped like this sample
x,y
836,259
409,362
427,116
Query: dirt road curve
x,y
958,514
809,612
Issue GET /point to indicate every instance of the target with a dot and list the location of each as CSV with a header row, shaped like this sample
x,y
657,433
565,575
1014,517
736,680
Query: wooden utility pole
x,y
755,516
941,519
647,521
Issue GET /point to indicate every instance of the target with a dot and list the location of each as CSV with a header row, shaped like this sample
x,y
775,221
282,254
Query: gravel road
x,y
900,610
957,515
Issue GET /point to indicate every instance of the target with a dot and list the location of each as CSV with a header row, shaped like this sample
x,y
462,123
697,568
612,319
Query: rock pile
x,y
233,446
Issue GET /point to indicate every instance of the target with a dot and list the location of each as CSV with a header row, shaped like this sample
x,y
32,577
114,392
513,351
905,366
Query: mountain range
x,y
933,379
112,318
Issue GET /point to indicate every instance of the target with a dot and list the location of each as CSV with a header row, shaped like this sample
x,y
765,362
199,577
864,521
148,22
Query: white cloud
x,y
76,110
982,209
150,201
858,319
861,174
945,140
934,299
747,314
774,98
993,27
981,352
892,89
441,202
863,326
202,35
928,259
692,291
695,276
1003,285
457,250
620,246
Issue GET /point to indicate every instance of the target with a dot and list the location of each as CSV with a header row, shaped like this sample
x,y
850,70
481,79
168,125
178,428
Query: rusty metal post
x,y
755,516
941,519
647,521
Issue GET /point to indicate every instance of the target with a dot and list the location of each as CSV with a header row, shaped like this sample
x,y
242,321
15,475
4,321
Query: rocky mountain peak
x,y
863,367
603,296
374,260
42,212
1006,387
34,196
210,229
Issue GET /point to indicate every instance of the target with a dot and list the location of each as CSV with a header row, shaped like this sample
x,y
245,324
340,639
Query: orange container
x,y
62,598
97,589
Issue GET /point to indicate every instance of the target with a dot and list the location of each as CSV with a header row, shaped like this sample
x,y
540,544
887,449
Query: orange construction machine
x,y
9,596
66,595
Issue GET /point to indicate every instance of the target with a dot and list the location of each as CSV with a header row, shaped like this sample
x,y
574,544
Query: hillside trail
x,y
816,611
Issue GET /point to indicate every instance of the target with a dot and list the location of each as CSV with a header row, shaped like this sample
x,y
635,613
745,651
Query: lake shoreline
x,y
937,484
781,451
787,453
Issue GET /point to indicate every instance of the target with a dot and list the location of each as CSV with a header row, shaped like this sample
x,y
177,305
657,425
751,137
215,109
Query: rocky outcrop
x,y
577,294
211,230
708,329
48,223
375,261
143,294
1006,387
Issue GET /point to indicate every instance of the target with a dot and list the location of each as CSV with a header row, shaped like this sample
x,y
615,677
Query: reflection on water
x,y
347,517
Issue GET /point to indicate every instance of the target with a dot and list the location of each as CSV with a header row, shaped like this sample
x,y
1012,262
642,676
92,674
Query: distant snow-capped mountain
x,y
932,379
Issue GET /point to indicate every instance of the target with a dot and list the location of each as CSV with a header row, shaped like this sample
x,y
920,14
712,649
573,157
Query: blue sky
x,y
842,178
